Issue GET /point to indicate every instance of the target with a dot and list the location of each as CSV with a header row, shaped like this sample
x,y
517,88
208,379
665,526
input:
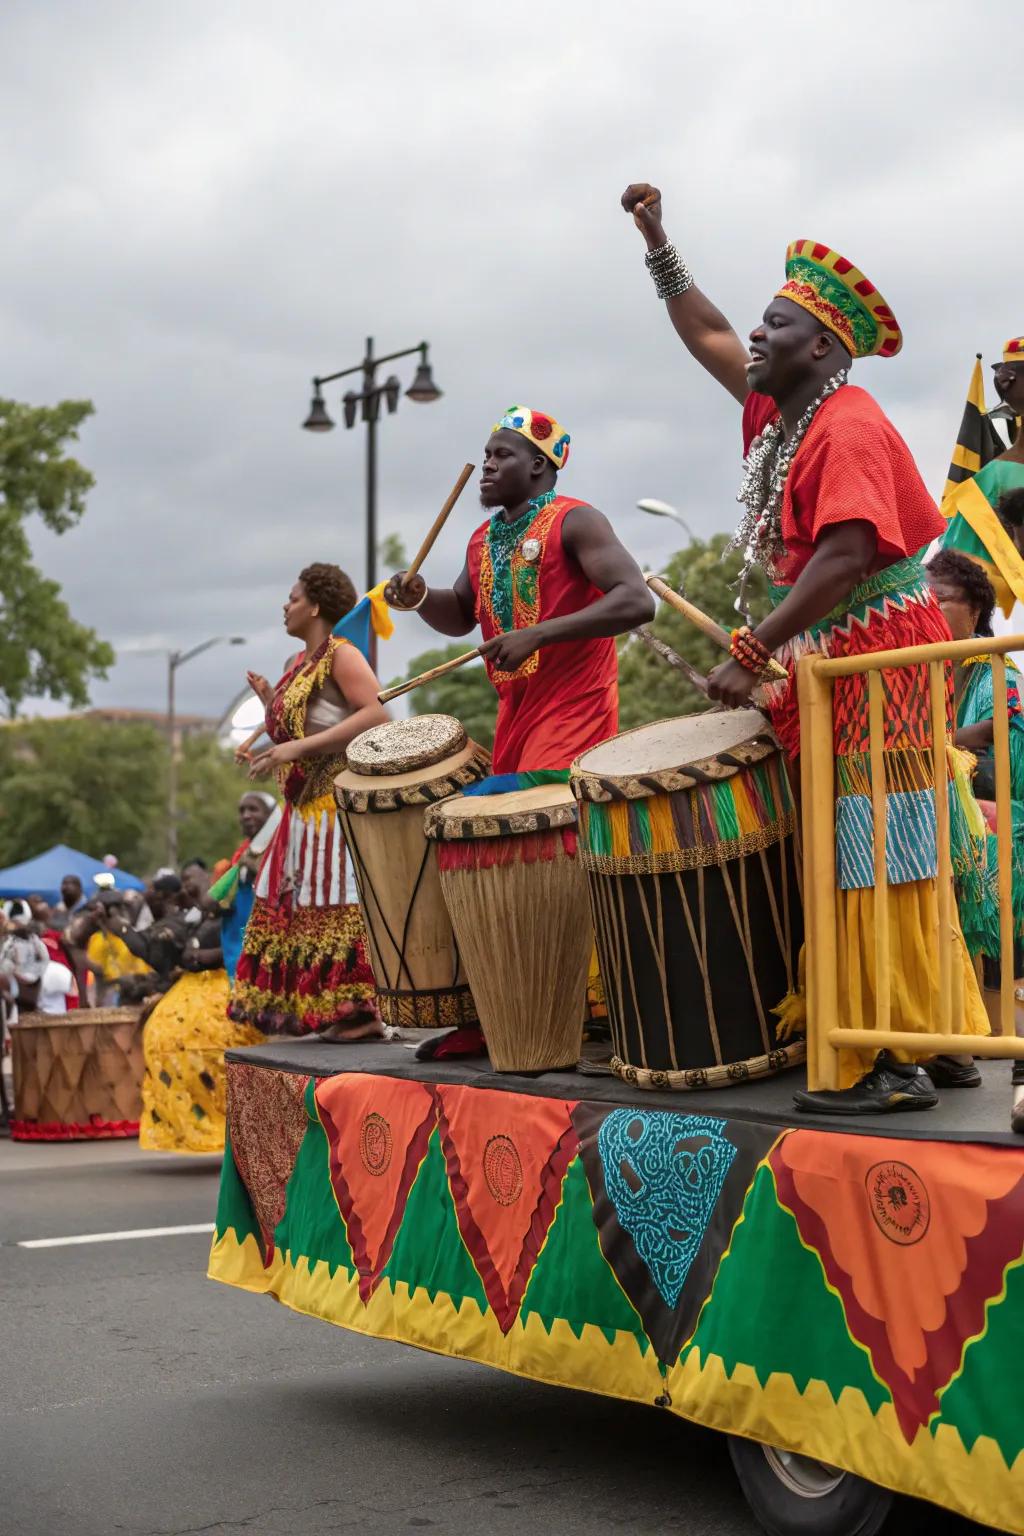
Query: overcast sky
x,y
205,203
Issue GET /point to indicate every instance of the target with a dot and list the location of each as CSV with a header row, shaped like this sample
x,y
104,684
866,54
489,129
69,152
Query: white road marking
x,y
115,1237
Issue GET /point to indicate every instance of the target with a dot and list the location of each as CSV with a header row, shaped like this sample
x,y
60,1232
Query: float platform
x,y
853,1291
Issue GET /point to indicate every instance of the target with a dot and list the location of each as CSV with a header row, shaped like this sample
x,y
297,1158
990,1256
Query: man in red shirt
x,y
838,517
550,586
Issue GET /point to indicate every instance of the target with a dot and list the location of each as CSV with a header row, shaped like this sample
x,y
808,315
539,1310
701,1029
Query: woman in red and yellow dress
x,y
303,967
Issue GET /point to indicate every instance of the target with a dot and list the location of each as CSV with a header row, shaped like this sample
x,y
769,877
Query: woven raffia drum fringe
x,y
77,1076
409,936
524,932
694,1078
690,858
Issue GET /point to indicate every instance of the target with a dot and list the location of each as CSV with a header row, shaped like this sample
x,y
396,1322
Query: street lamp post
x,y
176,659
657,508
367,402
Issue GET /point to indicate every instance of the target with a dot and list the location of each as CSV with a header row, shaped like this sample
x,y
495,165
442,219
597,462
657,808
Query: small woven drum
x,y
78,1075
395,770
517,896
686,834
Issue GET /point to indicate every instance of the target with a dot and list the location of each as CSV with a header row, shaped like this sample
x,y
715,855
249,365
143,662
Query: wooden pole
x,y
388,694
439,522
672,657
713,630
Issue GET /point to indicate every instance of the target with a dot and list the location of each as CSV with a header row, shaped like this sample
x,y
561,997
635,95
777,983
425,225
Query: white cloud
x,y
207,203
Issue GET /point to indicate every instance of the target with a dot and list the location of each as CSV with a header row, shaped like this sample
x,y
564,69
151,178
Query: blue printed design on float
x,y
664,1174
910,847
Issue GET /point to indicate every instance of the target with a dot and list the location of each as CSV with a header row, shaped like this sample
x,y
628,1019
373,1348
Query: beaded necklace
x,y
503,539
765,471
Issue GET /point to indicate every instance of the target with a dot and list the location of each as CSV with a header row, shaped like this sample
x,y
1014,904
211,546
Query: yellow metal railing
x,y
815,681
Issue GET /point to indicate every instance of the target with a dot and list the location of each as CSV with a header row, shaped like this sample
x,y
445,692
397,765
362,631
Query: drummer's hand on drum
x,y
508,652
402,593
731,685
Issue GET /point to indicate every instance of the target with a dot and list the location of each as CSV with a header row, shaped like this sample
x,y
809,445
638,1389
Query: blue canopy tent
x,y
42,876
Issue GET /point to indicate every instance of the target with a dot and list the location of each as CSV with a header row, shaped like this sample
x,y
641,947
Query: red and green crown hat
x,y
542,431
832,290
1013,352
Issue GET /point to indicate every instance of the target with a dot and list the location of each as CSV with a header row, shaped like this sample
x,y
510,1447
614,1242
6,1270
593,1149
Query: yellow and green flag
x,y
977,441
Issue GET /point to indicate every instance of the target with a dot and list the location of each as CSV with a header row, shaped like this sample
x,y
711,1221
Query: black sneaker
x,y
890,1085
945,1072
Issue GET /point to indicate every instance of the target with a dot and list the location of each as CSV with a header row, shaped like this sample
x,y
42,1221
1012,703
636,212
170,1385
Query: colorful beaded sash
x,y
510,583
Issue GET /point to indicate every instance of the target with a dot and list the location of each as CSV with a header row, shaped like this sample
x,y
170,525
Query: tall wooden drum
x,y
77,1076
394,771
517,896
686,834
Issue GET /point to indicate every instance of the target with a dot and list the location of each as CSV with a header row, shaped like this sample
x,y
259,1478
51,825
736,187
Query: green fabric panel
x,y
572,1278
961,538
639,827
986,1398
772,1310
429,1250
234,1210
312,1224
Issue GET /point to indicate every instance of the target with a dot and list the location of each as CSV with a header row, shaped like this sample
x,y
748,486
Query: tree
x,y
43,650
101,787
391,555
465,693
649,689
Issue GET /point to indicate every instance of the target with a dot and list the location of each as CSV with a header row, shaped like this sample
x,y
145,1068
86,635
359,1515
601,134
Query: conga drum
x,y
77,1076
687,838
394,771
517,897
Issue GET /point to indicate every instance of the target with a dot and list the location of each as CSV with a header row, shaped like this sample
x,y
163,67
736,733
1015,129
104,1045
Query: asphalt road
x,y
140,1399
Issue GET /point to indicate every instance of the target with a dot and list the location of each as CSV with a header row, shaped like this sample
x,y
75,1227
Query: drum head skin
x,y
521,810
673,754
400,746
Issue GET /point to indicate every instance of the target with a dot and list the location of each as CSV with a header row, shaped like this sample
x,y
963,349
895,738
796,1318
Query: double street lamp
x,y
365,404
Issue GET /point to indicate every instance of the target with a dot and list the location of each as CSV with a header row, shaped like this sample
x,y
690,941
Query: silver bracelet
x,y
672,276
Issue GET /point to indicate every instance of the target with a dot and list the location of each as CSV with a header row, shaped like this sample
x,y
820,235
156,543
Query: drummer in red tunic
x,y
550,586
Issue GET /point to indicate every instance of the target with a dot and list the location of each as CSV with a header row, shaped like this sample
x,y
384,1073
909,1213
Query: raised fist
x,y
402,594
644,202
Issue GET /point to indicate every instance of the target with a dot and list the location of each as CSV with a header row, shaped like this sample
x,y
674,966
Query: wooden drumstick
x,y
713,630
439,522
673,658
427,677
250,741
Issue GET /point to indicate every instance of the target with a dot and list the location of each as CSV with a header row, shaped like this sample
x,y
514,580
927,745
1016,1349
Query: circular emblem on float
x,y
375,1145
503,1172
899,1202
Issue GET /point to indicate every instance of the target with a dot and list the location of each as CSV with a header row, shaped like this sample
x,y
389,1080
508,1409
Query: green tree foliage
x,y
43,650
465,693
391,555
101,787
649,689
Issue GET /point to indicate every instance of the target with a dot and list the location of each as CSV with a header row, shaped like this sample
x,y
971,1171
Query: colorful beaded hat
x,y
832,290
1013,352
542,431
